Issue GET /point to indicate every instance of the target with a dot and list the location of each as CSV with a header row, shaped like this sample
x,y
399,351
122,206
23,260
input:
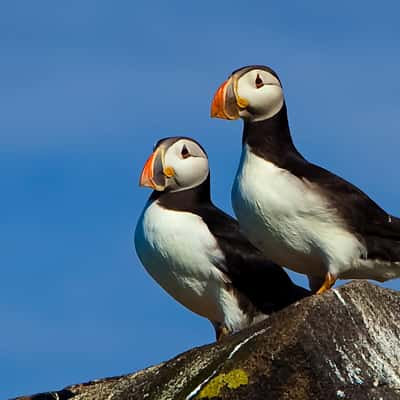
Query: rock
x,y
344,344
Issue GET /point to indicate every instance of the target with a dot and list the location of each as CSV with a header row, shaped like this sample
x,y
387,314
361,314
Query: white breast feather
x,y
290,221
180,253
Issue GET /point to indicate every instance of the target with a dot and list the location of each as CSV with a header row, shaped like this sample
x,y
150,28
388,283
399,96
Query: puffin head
x,y
253,93
176,164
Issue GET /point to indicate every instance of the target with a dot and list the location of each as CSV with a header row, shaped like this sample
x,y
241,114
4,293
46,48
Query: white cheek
x,y
264,102
190,172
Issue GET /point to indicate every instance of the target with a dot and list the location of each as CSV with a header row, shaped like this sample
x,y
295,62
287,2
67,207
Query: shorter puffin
x,y
196,252
299,214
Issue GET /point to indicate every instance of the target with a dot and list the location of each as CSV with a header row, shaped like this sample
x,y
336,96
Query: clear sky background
x,y
87,87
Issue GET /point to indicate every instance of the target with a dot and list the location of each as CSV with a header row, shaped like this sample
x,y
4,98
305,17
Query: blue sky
x,y
88,87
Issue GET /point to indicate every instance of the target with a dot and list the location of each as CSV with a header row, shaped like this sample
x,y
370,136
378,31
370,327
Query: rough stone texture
x,y
344,344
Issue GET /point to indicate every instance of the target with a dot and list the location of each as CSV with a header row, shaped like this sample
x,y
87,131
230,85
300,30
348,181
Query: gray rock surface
x,y
344,344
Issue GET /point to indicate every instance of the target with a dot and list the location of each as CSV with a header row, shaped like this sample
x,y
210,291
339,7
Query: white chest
x,y
179,252
288,220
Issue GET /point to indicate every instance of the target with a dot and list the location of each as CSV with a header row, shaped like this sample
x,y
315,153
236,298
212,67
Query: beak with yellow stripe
x,y
154,174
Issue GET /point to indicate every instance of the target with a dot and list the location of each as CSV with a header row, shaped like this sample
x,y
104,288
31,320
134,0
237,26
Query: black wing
x,y
379,230
264,283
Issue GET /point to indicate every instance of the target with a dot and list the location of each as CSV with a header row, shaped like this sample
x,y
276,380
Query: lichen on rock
x,y
230,380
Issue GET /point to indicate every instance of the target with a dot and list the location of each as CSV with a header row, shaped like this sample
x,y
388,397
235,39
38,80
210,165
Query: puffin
x,y
196,252
299,214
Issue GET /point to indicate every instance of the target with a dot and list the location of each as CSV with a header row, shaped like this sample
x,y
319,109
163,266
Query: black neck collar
x,y
185,200
270,138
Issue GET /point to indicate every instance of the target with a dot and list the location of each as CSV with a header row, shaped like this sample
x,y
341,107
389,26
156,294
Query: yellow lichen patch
x,y
231,380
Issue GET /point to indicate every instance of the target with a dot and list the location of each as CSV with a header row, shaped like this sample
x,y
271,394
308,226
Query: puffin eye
x,y
185,152
259,82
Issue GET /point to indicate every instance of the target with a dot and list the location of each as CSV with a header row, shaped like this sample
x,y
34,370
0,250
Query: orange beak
x,y
217,105
152,175
224,104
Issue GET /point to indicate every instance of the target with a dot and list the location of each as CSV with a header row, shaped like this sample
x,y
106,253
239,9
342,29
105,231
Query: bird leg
x,y
328,283
220,332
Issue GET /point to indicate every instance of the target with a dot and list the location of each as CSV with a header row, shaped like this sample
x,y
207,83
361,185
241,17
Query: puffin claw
x,y
220,332
328,283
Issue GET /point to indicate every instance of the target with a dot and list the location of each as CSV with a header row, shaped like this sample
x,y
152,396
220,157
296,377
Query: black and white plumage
x,y
196,252
300,215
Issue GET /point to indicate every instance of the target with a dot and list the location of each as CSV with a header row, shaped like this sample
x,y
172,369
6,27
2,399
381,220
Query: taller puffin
x,y
299,214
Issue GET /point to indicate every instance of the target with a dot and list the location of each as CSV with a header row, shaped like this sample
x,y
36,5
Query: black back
x,y
380,232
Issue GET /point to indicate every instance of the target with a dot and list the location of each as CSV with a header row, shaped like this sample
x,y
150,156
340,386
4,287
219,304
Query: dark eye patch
x,y
259,82
185,152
